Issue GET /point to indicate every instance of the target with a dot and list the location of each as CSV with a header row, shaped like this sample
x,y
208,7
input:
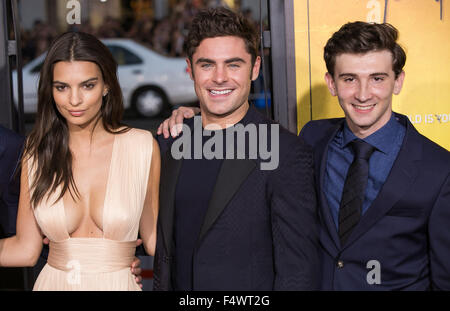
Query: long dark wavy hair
x,y
48,143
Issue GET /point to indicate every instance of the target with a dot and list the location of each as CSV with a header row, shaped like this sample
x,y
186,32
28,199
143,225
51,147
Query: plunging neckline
x,y
104,199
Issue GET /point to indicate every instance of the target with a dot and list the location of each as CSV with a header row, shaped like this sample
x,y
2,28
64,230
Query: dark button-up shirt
x,y
387,141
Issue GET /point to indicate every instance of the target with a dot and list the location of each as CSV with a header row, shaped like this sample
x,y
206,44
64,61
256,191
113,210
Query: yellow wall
x,y
426,38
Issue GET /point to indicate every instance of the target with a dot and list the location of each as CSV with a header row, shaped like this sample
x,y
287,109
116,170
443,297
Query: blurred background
x,y
147,39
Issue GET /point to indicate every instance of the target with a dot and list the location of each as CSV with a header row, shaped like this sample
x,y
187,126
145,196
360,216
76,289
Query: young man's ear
x,y
255,69
398,84
189,69
330,83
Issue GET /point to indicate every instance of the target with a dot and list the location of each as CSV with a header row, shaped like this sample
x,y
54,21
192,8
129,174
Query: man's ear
x,y
256,67
189,69
398,84
330,83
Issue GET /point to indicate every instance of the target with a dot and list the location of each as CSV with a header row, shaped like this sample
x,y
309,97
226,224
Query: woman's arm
x,y
149,216
23,249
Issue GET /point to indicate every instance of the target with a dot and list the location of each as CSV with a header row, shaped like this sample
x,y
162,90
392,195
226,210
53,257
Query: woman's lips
x,y
76,113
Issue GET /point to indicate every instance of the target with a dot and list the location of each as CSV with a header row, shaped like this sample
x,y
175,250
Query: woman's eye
x,y
89,86
60,87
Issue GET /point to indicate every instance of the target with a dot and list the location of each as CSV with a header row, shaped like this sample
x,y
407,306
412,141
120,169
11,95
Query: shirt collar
x,y
383,139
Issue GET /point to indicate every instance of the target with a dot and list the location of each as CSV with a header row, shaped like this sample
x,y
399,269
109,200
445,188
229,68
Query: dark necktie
x,y
354,189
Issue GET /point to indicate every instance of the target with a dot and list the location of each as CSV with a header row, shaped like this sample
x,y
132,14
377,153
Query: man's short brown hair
x,y
361,38
221,22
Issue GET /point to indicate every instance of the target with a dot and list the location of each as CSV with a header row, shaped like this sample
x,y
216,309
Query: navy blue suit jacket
x,y
10,151
260,230
407,227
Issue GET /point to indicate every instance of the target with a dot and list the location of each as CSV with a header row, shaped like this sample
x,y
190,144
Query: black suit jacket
x,y
260,230
407,227
10,152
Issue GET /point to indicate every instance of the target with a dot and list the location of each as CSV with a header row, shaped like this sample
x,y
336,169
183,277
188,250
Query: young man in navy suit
x,y
394,234
229,221
385,216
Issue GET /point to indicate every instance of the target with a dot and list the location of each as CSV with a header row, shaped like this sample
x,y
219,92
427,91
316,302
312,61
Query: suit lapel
x,y
2,168
398,182
321,164
231,175
2,144
170,169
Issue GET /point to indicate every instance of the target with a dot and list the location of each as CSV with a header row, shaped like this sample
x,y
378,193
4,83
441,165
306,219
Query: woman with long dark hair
x,y
88,182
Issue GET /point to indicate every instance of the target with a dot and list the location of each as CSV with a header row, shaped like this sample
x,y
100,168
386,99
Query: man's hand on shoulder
x,y
172,126
136,266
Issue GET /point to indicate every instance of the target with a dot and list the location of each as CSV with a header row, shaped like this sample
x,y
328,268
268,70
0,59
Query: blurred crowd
x,y
166,36
36,41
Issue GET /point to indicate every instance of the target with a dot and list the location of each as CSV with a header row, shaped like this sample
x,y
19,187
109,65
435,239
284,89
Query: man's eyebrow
x,y
86,81
234,60
228,61
345,74
379,74
205,60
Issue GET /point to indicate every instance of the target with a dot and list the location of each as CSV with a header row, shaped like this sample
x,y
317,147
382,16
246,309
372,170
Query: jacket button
x,y
340,264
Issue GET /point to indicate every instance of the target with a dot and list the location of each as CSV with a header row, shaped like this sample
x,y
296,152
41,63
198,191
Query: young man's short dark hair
x,y
221,22
362,37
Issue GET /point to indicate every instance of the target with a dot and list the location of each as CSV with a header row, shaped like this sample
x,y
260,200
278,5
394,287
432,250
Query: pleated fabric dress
x,y
100,263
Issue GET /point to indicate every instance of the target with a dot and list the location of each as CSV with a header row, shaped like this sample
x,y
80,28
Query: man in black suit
x,y
10,151
389,228
233,215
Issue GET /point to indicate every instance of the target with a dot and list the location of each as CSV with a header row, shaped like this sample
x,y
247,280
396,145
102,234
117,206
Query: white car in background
x,y
150,82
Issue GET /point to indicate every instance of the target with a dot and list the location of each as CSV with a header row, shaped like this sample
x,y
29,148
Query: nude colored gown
x,y
100,263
